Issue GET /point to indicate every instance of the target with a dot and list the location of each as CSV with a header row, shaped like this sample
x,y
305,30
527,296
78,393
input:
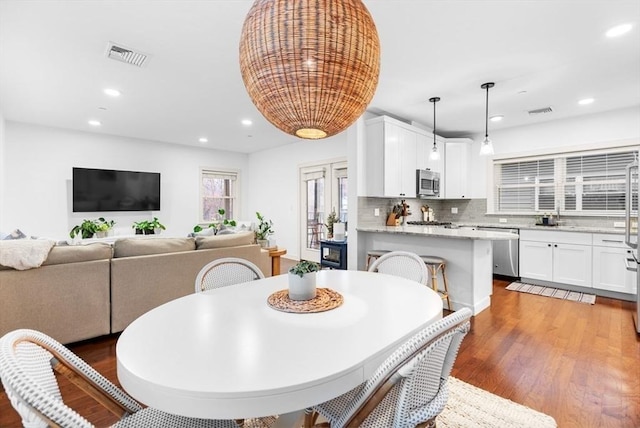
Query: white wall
x,y
555,135
272,187
37,170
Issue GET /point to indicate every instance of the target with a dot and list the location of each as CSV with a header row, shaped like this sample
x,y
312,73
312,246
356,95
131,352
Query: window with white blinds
x,y
574,183
218,190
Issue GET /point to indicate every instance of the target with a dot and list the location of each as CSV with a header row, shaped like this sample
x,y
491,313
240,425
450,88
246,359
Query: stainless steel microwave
x,y
427,183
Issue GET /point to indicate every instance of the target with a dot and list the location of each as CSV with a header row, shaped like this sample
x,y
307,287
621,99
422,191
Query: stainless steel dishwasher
x,y
505,253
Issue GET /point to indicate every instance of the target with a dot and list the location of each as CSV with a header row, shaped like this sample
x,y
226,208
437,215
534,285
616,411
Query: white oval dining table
x,y
226,354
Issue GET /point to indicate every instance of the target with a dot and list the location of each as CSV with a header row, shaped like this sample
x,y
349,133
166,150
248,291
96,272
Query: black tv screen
x,y
111,190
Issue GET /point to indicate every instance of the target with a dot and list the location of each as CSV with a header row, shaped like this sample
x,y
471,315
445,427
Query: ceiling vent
x,y
541,110
122,54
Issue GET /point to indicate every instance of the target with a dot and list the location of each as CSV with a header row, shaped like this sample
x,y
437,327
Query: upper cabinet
x,y
456,183
394,150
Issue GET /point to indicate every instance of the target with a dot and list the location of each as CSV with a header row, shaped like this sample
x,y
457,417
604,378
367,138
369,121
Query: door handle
x,y
631,265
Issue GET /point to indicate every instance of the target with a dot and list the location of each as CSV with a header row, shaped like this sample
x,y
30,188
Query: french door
x,y
323,189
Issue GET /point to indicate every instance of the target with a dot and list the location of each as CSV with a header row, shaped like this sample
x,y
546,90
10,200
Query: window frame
x,y
235,198
560,175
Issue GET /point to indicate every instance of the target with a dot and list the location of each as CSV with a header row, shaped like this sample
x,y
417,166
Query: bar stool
x,y
372,255
435,264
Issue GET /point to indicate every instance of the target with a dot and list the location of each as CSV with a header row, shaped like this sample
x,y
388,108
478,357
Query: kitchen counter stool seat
x,y
372,255
435,264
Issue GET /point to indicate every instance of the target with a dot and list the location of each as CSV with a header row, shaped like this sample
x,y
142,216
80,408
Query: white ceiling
x,y
53,66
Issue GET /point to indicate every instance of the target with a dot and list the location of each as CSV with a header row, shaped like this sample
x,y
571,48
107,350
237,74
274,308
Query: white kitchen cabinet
x,y
609,270
562,257
391,157
536,260
457,157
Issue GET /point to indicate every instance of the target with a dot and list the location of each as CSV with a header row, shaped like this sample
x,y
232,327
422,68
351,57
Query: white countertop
x,y
441,232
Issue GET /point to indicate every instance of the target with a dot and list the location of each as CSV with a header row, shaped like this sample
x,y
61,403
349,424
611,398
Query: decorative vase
x,y
101,234
302,287
263,243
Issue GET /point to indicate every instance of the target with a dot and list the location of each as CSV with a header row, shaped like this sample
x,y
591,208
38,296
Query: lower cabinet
x,y
576,258
556,257
609,269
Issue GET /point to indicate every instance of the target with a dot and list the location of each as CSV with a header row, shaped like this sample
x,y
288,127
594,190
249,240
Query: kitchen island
x,y
468,253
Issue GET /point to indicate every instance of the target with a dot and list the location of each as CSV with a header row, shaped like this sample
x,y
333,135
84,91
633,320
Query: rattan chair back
x,y
402,263
410,388
29,361
226,271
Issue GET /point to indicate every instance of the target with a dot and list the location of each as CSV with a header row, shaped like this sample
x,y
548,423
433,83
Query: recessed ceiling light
x,y
586,101
619,30
247,122
95,123
496,118
112,92
203,140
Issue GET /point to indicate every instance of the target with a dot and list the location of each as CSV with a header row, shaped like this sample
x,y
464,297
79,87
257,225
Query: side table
x,y
275,254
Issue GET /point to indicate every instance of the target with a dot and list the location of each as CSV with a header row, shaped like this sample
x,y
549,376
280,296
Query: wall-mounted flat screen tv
x,y
97,190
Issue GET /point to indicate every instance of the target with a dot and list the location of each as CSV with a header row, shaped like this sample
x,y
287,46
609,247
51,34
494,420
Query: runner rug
x,y
552,292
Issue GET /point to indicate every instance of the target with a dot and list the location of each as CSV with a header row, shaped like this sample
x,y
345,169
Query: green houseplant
x,y
148,227
217,224
265,228
156,226
86,229
103,227
302,280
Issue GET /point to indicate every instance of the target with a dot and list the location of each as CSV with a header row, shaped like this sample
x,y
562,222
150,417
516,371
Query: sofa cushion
x,y
223,241
61,254
129,247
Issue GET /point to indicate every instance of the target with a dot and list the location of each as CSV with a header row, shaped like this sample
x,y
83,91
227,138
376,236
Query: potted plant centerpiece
x,y
264,230
302,280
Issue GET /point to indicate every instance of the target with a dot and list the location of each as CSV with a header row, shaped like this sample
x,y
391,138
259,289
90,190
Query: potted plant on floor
x,y
302,280
265,228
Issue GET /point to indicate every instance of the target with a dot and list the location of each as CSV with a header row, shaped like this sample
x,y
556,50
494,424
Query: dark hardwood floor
x,y
579,363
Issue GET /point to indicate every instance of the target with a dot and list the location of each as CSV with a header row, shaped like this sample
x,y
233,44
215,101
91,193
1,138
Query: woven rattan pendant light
x,y
310,66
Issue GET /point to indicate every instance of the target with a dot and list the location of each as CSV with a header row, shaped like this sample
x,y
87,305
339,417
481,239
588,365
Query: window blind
x,y
588,182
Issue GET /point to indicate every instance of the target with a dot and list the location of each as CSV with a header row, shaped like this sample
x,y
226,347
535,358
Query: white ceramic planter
x,y
302,288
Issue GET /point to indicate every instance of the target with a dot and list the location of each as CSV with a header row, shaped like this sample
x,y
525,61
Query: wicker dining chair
x,y
28,362
226,271
409,389
402,263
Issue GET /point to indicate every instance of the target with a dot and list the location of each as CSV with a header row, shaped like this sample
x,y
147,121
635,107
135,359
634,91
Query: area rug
x,y
574,296
472,407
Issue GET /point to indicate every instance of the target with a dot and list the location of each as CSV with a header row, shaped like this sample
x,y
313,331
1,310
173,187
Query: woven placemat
x,y
325,300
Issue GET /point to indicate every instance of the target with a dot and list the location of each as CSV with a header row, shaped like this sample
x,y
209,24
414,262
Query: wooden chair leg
x,y
446,287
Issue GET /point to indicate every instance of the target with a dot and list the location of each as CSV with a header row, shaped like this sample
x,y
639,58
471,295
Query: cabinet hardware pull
x,y
612,240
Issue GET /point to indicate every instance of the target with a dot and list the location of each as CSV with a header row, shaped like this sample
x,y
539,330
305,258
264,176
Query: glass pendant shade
x,y
310,67
486,147
435,154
